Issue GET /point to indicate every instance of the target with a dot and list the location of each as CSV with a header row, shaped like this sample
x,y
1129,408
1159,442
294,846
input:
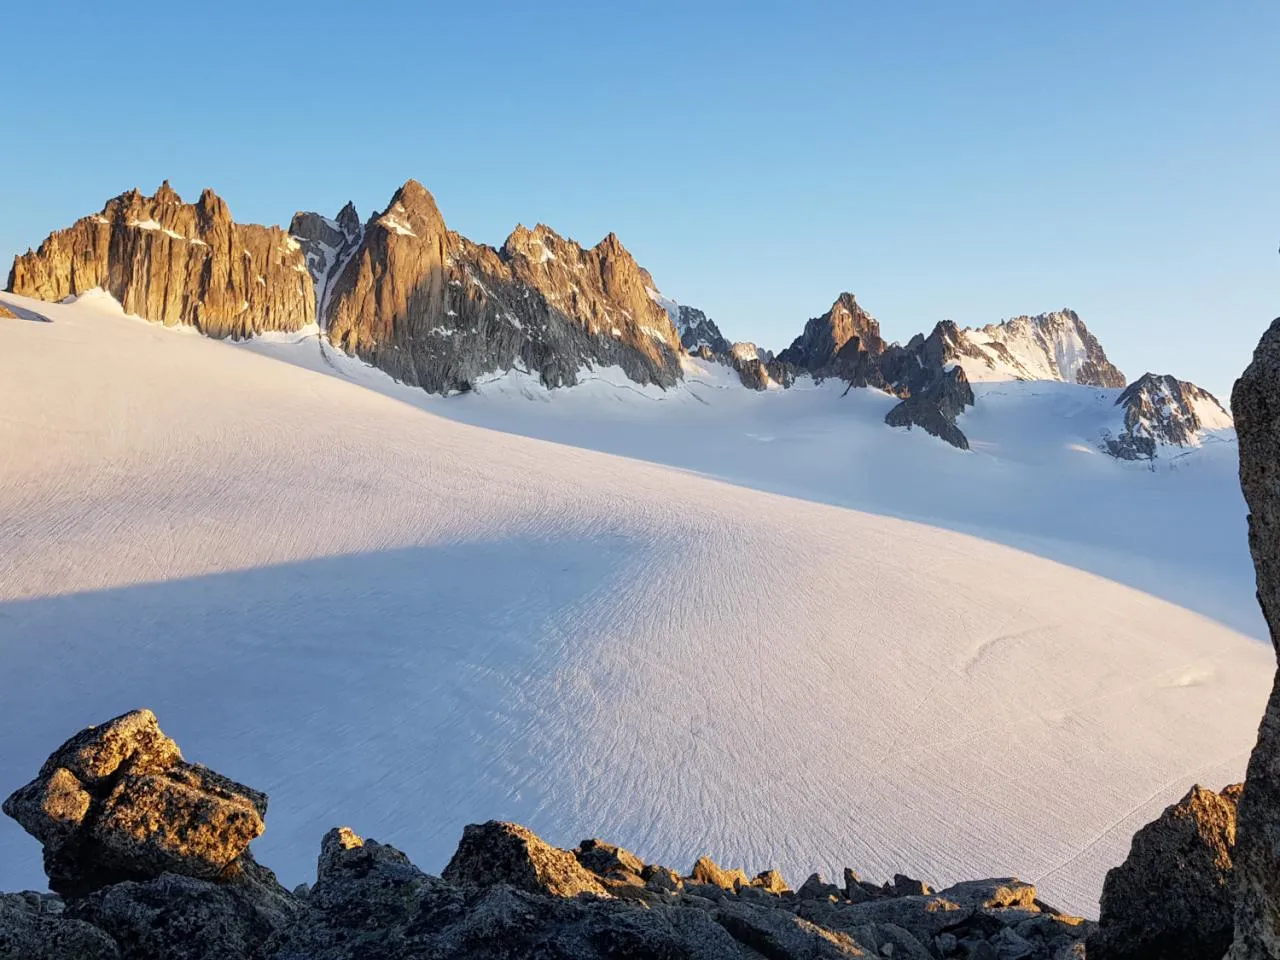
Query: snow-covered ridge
x,y
1050,346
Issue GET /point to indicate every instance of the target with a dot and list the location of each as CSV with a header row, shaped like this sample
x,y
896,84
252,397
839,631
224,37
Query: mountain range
x,y
438,311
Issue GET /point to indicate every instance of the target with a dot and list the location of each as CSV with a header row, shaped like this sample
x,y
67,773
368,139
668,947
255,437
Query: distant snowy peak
x,y
699,330
1050,346
696,329
1162,411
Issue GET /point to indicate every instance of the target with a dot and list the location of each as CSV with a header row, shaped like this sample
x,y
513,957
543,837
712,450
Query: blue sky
x,y
941,160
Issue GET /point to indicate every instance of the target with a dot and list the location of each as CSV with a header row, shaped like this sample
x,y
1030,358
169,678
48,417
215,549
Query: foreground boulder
x,y
1255,403
1172,897
117,802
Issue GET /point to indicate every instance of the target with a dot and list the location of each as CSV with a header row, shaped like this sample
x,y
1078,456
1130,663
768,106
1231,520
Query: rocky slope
x,y
437,311
176,263
1050,346
150,855
1162,411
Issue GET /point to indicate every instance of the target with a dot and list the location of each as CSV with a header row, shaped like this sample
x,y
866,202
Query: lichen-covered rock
x,y
29,932
118,802
816,888
1255,403
607,858
184,918
706,870
1172,895
498,852
176,263
778,933
990,894
771,881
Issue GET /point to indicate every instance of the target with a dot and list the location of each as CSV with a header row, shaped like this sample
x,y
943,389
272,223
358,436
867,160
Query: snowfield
x,y
389,617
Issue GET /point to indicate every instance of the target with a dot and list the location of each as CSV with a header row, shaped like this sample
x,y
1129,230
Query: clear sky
x,y
970,161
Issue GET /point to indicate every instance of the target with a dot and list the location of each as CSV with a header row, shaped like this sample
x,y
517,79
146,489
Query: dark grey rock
x,y
175,917
1255,403
29,932
1172,895
816,888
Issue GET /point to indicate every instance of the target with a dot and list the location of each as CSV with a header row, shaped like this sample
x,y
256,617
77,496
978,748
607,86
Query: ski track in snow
x,y
389,618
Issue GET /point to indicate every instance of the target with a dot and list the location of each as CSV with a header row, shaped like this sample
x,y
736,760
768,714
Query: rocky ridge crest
x,y
176,263
437,311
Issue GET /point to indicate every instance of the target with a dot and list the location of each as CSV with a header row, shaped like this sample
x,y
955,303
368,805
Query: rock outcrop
x,y
117,802
1171,898
1255,402
496,852
176,263
505,894
1160,411
845,343
439,312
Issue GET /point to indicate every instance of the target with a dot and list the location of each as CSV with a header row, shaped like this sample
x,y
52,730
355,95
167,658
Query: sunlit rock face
x,y
437,311
176,263
1048,346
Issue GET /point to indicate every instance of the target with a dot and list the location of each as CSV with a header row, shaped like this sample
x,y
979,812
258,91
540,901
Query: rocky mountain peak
x,y
348,220
436,310
1161,410
166,194
212,209
411,212
1049,346
825,336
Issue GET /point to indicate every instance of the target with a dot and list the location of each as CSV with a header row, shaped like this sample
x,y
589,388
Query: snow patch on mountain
x,y
1160,412
1050,346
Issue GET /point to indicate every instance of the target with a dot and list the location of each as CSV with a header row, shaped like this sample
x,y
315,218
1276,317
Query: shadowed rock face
x,y
437,311
698,330
176,263
1255,403
1171,898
